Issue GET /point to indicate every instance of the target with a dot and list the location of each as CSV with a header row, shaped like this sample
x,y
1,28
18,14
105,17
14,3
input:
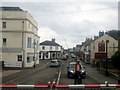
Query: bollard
x,y
53,84
49,84
106,83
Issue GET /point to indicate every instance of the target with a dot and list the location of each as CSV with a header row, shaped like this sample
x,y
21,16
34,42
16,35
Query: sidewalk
x,y
98,76
9,71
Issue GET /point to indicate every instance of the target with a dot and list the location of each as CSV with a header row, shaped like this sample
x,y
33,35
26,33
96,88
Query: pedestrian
x,y
77,71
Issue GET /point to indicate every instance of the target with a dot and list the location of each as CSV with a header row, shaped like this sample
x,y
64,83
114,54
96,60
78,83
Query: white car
x,y
55,63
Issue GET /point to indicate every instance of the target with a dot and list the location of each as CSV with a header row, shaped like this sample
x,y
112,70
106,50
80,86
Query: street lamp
x,y
23,51
106,71
34,54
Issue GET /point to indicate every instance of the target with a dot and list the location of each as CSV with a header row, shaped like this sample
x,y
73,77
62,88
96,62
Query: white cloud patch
x,y
73,20
46,33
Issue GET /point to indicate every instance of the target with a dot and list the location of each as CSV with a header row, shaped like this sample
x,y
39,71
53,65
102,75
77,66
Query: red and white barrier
x,y
53,85
89,86
24,86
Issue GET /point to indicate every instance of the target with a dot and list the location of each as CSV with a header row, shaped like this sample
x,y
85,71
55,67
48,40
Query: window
x,y
46,54
28,59
4,24
19,58
50,47
40,55
29,42
56,48
37,46
34,43
43,48
4,41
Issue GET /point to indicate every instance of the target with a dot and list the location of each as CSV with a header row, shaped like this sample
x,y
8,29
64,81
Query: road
x,y
41,75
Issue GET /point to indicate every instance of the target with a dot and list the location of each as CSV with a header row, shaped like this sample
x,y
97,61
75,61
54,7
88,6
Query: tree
x,y
114,33
116,62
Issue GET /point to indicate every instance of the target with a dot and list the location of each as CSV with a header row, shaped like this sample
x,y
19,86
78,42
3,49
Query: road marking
x,y
58,80
43,66
24,75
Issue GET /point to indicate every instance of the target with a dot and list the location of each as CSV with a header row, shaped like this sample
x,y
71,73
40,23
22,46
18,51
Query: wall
x,y
111,50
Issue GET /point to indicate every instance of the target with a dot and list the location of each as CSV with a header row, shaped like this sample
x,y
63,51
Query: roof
x,y
49,43
10,9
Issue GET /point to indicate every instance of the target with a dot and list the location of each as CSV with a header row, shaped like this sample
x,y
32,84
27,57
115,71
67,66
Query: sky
x,y
70,22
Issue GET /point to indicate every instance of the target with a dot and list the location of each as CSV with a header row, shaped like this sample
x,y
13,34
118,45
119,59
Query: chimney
x,y
53,40
101,33
95,37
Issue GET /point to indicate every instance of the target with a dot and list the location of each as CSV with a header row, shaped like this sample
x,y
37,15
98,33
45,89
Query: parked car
x,y
73,55
64,57
55,63
71,71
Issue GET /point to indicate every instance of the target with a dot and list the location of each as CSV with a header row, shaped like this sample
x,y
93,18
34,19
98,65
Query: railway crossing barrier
x,y
53,85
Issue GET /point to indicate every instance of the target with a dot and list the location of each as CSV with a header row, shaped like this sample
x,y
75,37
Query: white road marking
x,y
58,80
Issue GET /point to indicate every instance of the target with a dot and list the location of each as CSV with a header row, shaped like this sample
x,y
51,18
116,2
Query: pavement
x,y
9,71
98,76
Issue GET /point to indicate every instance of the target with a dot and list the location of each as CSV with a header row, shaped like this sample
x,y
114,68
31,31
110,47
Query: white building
x,y
20,40
50,50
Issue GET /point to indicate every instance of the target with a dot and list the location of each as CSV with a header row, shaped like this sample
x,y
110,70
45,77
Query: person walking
x,y
77,71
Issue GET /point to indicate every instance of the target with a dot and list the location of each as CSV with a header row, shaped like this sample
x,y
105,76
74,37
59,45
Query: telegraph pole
x,y
106,71
34,54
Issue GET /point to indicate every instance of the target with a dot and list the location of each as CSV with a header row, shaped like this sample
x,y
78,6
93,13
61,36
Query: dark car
x,y
55,63
71,71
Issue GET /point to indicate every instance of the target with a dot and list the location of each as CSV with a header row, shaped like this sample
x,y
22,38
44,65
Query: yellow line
x,y
25,75
43,66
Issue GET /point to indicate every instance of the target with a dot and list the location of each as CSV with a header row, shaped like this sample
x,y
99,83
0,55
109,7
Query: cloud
x,y
46,33
71,20
60,1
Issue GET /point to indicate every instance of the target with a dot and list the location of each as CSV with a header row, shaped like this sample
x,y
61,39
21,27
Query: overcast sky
x,y
70,20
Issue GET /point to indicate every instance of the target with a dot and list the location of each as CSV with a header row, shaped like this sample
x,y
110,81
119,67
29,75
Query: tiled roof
x,y
10,9
49,43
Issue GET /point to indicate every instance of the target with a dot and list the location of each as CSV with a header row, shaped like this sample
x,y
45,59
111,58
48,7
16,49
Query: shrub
x,y
116,60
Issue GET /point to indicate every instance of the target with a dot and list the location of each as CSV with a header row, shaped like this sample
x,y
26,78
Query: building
x,y
85,50
20,40
50,50
102,47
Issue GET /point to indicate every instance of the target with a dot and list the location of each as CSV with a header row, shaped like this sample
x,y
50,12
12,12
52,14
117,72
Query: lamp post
x,y
34,55
23,61
106,71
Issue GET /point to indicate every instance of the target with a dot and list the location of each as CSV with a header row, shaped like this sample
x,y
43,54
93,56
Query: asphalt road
x,y
64,80
42,74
